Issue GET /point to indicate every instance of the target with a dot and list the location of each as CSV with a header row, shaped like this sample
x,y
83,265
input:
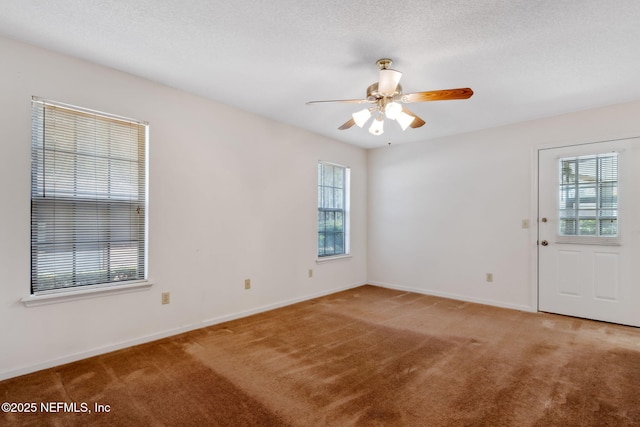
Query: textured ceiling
x,y
524,59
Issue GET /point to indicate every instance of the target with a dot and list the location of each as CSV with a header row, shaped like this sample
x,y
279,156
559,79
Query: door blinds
x,y
588,196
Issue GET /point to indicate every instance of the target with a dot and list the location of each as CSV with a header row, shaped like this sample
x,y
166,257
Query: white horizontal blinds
x,y
87,198
332,184
588,196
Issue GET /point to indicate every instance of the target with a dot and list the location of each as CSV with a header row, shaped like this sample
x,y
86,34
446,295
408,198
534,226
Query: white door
x,y
589,231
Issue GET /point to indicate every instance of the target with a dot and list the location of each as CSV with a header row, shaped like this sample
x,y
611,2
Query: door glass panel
x,y
588,196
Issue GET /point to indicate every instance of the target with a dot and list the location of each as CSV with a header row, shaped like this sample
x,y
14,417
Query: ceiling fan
x,y
386,98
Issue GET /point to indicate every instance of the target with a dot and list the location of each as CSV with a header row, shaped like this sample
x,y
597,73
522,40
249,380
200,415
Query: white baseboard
x,y
456,297
246,313
164,334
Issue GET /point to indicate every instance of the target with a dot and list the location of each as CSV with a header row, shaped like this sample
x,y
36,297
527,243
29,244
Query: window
x,y
588,196
333,210
88,198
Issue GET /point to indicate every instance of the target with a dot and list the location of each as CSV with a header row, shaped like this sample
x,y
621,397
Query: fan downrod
x,y
384,63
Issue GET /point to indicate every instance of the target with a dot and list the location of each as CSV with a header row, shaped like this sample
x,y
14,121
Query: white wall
x,y
445,212
232,196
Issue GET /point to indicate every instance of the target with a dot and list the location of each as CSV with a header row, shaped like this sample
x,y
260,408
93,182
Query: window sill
x,y
332,258
55,297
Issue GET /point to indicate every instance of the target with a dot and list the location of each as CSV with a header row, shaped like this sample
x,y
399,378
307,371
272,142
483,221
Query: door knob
x,y
544,243
544,219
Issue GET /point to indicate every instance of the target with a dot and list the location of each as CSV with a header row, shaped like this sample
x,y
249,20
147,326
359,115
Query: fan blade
x,y
438,95
388,82
417,121
347,124
348,101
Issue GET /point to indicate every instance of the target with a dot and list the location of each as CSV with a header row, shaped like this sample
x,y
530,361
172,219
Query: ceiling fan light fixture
x,y
385,99
361,117
377,126
404,120
393,110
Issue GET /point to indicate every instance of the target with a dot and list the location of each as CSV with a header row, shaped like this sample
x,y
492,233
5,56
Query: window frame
x,y
102,201
323,209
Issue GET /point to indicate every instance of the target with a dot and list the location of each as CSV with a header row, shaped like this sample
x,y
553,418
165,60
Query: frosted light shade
x,y
393,110
377,126
404,120
361,117
388,82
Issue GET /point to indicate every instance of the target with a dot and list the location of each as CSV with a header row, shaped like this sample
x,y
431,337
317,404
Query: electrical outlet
x,y
247,283
166,298
489,277
310,272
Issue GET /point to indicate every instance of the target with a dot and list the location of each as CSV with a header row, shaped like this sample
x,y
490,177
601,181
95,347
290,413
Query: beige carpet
x,y
363,357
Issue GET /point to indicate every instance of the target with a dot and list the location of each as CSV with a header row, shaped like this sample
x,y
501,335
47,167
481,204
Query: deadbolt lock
x,y
544,243
544,220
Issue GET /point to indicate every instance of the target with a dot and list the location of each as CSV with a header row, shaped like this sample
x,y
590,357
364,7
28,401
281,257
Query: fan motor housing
x,y
374,95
